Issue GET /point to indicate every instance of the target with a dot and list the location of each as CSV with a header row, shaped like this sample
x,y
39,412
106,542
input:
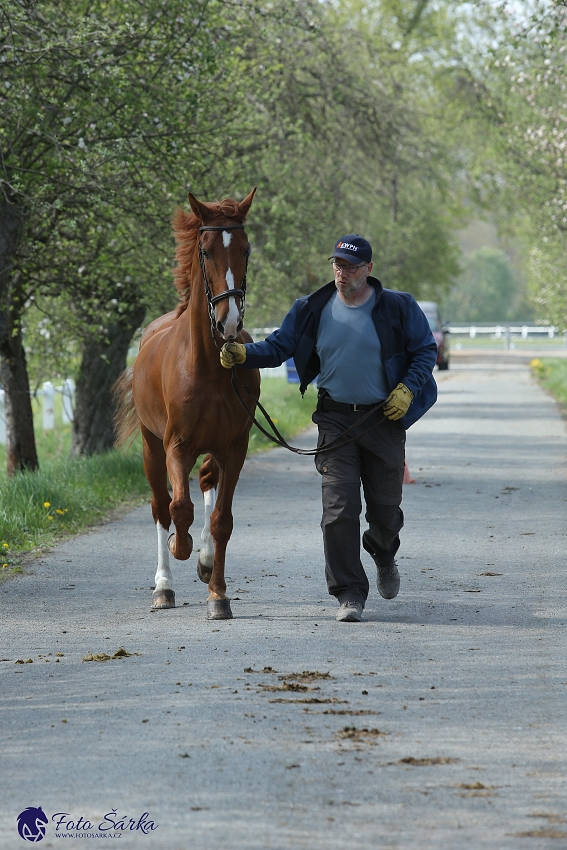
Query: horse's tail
x,y
126,419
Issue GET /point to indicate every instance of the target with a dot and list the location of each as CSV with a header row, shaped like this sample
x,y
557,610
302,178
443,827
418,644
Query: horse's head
x,y
223,253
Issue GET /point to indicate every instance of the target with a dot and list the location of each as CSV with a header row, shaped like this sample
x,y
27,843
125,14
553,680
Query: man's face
x,y
350,277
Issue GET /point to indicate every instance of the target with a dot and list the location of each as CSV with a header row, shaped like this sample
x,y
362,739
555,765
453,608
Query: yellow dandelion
x,y
4,566
6,545
60,512
49,516
47,504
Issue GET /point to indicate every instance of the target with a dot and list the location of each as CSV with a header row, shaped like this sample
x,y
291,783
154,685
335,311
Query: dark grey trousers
x,y
377,460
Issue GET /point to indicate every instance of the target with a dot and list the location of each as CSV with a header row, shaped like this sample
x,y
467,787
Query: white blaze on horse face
x,y
233,317
164,577
226,237
207,553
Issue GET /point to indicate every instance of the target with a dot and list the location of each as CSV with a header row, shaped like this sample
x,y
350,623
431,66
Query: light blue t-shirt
x,y
350,353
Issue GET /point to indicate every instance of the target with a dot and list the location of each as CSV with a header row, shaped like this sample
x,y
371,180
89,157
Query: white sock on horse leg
x,y
207,553
164,577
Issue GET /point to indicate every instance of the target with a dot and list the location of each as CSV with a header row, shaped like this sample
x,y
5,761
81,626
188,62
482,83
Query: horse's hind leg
x,y
208,480
154,466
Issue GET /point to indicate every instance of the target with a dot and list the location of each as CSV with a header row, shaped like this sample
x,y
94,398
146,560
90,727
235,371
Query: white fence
x,y
506,332
47,395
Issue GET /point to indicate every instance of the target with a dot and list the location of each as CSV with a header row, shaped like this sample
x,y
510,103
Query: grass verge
x,y
552,374
62,498
67,495
290,412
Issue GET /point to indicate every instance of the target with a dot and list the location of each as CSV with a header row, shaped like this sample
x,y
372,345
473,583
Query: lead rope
x,y
279,439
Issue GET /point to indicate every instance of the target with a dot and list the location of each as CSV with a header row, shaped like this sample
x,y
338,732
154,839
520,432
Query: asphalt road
x,y
437,722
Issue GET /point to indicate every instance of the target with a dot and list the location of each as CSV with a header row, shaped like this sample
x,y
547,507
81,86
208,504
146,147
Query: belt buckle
x,y
358,408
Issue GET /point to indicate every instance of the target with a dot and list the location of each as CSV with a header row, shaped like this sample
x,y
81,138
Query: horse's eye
x,y
206,255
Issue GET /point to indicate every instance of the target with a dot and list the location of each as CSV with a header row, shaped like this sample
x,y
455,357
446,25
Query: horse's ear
x,y
245,205
202,212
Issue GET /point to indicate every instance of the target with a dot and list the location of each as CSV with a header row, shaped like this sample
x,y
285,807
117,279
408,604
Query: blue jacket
x,y
409,351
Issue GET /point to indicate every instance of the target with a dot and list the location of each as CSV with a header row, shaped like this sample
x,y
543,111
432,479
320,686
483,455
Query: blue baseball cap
x,y
353,248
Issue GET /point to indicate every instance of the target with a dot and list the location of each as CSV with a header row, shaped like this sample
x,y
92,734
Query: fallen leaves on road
x,y
351,733
288,686
476,789
317,700
102,656
549,816
539,833
489,574
422,762
265,670
307,676
351,711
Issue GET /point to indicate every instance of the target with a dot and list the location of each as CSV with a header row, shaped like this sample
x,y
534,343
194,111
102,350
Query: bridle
x,y
228,293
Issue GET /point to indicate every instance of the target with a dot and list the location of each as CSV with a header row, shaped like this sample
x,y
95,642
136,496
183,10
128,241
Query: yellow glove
x,y
232,354
398,402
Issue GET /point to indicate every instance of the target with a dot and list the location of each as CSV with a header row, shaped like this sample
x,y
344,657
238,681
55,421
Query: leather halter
x,y
214,299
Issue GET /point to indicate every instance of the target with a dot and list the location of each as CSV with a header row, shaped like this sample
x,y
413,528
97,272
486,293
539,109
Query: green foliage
x,y
487,290
317,105
552,374
516,126
548,280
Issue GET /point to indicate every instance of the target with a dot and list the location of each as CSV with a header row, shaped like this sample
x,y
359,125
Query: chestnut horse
x,y
182,398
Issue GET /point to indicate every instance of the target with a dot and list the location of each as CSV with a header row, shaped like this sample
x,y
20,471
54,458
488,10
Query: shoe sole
x,y
350,617
388,595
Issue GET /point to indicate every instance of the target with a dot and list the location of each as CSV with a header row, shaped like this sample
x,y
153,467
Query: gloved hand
x,y
398,402
232,354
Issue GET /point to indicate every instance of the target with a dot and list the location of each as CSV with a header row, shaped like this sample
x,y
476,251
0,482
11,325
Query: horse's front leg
x,y
154,465
208,481
218,605
180,462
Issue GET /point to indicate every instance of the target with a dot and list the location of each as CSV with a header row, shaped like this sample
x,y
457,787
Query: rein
x,y
279,440
214,299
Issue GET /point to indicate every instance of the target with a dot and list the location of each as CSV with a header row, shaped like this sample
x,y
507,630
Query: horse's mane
x,y
186,231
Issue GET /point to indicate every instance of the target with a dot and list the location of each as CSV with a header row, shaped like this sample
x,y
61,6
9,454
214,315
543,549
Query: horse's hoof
x,y
174,548
204,572
163,599
218,609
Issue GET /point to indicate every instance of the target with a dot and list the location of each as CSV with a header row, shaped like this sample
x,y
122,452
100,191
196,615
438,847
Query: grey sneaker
x,y
350,612
388,580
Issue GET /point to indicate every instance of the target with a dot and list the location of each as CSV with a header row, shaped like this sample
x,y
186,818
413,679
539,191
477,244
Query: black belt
x,y
327,403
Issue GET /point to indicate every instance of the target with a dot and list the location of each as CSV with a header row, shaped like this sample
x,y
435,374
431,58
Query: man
x,y
366,344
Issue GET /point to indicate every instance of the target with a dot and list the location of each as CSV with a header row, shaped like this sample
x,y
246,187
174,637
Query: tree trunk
x,y
20,438
102,361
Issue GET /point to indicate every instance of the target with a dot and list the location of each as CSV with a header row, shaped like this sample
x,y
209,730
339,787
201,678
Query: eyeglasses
x,y
347,269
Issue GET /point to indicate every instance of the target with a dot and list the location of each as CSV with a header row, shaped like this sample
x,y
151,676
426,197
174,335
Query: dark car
x,y
440,332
